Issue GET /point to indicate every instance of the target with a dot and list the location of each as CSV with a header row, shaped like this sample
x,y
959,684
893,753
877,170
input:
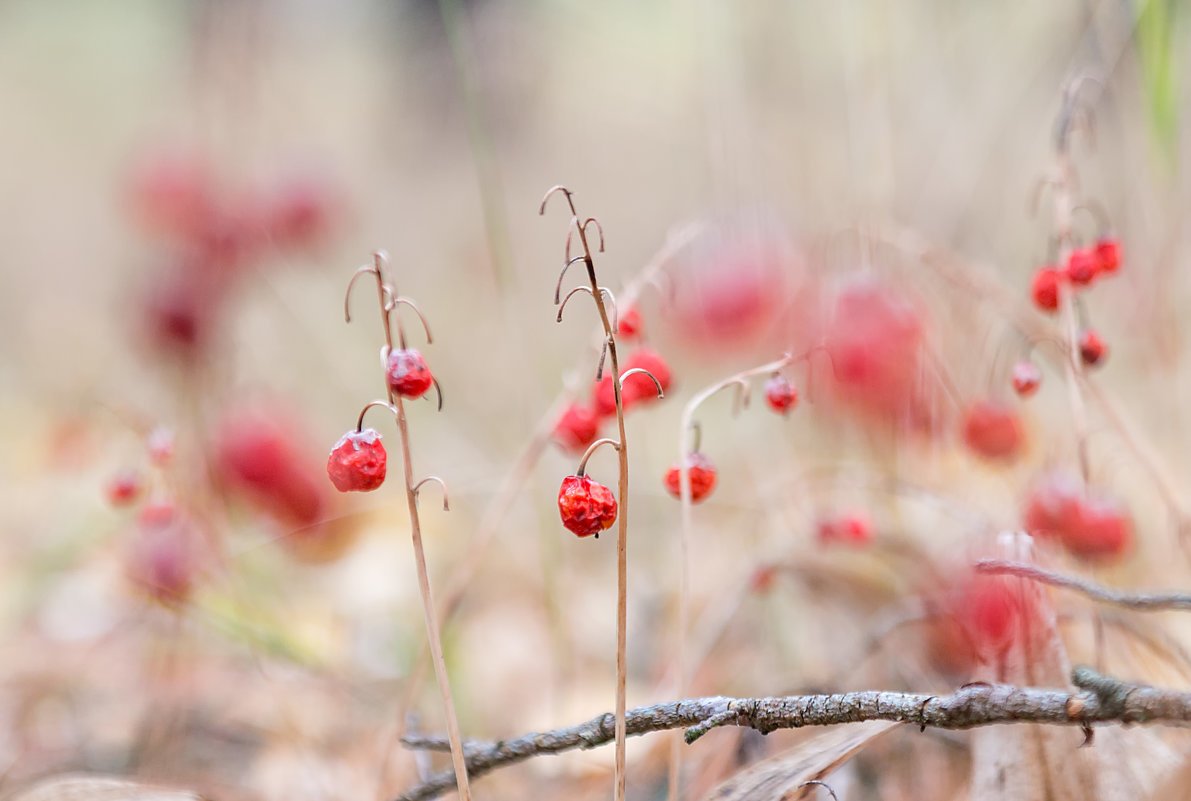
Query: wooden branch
x,y
1143,602
1098,699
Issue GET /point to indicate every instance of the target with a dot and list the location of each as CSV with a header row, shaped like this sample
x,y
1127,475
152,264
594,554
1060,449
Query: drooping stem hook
x,y
438,391
369,405
1075,112
592,448
696,432
603,358
347,296
395,301
446,502
817,783
556,189
562,306
562,275
744,393
1097,212
599,229
643,371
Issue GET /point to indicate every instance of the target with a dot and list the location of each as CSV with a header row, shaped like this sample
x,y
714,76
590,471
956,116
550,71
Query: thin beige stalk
x,y
389,301
686,426
599,295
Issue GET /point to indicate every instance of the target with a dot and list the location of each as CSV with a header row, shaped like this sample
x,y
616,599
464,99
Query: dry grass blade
x,y
99,788
777,779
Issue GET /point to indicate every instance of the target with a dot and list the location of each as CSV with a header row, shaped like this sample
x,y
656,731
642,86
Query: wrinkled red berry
x,y
585,506
703,477
1044,289
780,394
124,488
1082,265
1026,378
165,557
577,428
992,430
640,387
408,374
629,324
357,463
1092,349
849,528
1108,255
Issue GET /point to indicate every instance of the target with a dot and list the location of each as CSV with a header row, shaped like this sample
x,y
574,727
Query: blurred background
x,y
188,187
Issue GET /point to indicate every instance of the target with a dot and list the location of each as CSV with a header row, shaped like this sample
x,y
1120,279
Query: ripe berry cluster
x,y
580,423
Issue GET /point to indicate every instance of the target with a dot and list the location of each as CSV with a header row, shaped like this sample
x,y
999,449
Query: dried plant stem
x,y
1142,602
686,425
1098,699
428,607
599,295
389,300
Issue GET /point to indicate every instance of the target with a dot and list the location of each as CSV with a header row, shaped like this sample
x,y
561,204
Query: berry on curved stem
x,y
358,461
1092,349
780,394
586,507
1026,378
702,477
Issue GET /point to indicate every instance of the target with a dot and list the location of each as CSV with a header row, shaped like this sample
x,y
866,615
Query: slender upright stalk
x,y
686,426
389,300
598,295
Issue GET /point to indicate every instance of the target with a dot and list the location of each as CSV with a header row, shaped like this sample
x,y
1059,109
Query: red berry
x,y
165,556
300,212
640,387
1092,528
577,428
603,398
124,488
1045,288
763,579
1092,349
408,374
629,324
1026,378
993,430
261,456
1108,255
172,193
585,506
1082,265
850,528
780,395
703,477
1103,531
357,462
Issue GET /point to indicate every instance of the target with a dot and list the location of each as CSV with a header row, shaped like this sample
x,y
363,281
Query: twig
x,y
1142,602
1098,699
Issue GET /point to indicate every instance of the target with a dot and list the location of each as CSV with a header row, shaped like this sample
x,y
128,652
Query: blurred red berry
x,y
639,387
173,194
124,488
763,579
264,456
849,528
874,339
1045,288
1026,378
780,394
357,463
992,430
585,506
1091,527
300,214
603,397
1108,255
1092,349
629,324
703,477
408,374
577,428
165,556
1082,265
